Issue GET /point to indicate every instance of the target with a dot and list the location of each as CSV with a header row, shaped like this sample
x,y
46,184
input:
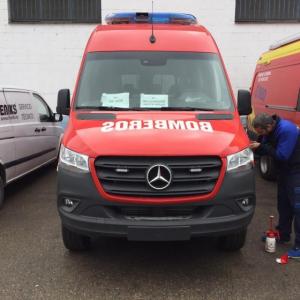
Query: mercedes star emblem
x,y
159,177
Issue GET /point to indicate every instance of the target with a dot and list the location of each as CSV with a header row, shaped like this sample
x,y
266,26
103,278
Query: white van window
x,y
21,103
5,111
42,108
2,100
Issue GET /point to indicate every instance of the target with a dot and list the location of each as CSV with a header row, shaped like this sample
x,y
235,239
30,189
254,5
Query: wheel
x,y
1,192
233,242
267,168
74,241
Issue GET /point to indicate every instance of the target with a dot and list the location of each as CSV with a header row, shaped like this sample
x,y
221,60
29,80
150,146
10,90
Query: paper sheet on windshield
x,y
115,100
154,101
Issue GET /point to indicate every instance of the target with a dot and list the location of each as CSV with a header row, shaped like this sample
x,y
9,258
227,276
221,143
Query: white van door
x,y
50,130
26,131
7,139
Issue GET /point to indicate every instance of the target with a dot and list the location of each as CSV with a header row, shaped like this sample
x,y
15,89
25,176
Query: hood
x,y
155,133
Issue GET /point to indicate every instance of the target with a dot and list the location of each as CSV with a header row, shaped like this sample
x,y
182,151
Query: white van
x,y
29,134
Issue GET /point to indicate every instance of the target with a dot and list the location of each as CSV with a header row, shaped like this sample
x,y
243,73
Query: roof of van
x,y
281,49
136,37
15,88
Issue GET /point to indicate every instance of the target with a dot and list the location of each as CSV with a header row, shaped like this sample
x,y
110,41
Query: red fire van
x,y
154,149
276,88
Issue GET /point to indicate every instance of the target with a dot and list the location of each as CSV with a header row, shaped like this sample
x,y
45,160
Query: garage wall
x,y
47,57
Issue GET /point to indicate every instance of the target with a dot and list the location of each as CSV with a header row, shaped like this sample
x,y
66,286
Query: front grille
x,y
127,175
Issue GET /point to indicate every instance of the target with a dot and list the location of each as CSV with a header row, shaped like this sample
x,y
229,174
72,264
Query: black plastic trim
x,y
214,117
7,138
96,117
27,158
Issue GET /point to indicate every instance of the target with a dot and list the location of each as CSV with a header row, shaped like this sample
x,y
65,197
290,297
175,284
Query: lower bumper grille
x,y
159,212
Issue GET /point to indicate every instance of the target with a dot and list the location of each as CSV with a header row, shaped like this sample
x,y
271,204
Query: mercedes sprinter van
x,y
154,149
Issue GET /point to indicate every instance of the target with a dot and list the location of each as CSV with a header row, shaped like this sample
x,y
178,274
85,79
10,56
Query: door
x,y
49,130
26,131
7,146
276,91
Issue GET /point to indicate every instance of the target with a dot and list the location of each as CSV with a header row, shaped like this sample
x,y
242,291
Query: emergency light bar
x,y
151,18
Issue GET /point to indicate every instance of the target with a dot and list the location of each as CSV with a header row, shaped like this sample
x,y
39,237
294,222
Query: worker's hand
x,y
254,145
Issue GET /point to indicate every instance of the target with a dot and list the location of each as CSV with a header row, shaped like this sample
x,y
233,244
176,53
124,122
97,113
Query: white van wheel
x,y
1,193
267,168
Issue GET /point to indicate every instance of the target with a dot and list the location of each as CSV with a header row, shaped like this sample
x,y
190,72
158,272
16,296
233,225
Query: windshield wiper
x,y
103,107
185,108
171,108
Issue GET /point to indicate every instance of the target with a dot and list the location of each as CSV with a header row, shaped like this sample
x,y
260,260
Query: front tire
x,y
233,242
74,241
1,192
267,168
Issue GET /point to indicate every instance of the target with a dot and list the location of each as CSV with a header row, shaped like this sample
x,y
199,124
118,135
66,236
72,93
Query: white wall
x,y
47,57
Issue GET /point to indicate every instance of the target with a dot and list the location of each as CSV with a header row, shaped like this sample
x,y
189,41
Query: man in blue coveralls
x,y
281,140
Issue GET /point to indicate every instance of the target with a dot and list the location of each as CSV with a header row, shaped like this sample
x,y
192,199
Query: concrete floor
x,y
35,265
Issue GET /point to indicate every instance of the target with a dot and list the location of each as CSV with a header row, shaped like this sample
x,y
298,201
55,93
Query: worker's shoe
x,y
294,253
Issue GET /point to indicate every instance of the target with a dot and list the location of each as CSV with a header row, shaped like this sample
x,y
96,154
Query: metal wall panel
x,y
267,11
87,10
286,10
55,10
24,9
84,11
250,10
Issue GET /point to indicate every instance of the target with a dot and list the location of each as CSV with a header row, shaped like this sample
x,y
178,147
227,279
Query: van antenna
x,y
152,37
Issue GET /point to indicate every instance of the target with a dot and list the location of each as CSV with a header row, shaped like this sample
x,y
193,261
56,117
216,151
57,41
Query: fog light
x,y
245,204
69,204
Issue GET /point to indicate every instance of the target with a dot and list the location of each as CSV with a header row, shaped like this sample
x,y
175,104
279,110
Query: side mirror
x,y
58,117
63,102
244,103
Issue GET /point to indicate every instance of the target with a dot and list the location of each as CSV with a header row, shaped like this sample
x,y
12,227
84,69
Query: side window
x,y
4,116
42,108
19,106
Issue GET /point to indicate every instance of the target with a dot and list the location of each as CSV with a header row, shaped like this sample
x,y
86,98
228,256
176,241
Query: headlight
x,y
73,159
240,160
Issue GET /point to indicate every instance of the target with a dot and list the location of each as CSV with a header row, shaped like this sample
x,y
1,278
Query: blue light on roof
x,y
148,18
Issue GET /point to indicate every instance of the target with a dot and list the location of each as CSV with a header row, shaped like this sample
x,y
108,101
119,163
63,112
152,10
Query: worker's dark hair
x,y
262,121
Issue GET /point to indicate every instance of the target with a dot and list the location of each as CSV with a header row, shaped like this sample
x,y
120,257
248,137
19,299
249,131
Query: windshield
x,y
153,81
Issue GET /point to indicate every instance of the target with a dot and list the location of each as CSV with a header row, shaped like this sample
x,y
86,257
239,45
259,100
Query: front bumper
x,y
95,216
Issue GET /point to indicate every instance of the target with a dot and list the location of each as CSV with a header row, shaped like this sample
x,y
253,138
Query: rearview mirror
x,y
63,102
244,103
58,117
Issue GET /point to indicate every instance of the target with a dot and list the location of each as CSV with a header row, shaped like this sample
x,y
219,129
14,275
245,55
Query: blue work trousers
x,y
289,204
